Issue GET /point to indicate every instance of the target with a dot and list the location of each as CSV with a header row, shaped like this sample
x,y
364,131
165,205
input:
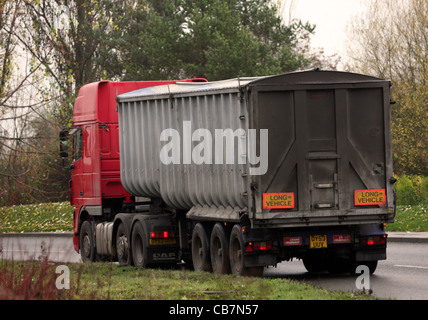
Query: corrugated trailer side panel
x,y
182,185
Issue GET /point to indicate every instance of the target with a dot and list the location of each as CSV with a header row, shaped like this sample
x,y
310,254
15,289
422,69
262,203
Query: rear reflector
x,y
342,238
292,241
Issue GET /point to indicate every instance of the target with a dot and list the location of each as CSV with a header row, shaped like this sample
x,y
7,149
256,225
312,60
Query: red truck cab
x,y
95,186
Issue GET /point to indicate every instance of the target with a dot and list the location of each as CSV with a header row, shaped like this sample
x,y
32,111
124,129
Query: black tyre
x,y
87,242
219,248
338,265
372,265
236,255
122,246
200,249
139,245
315,264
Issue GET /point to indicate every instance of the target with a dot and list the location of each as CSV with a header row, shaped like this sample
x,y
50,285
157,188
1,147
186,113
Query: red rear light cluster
x,y
258,246
373,240
160,234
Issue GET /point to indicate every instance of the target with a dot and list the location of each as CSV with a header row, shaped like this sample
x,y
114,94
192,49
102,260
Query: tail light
x,y
160,234
373,240
258,246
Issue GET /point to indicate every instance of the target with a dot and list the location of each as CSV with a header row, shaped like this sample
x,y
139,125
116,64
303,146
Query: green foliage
x,y
411,190
390,41
9,12
412,201
34,173
198,38
127,40
409,128
410,218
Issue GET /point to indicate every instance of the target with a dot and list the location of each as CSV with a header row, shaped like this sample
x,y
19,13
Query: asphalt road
x,y
404,275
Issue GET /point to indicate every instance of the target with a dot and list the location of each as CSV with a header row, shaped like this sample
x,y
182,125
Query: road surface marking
x,y
407,266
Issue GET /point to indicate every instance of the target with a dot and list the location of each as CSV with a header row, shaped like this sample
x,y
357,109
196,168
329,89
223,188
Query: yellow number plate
x,y
162,241
318,241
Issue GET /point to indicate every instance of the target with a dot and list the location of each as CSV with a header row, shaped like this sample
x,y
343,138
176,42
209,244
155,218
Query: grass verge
x,y
106,281
58,217
410,218
43,217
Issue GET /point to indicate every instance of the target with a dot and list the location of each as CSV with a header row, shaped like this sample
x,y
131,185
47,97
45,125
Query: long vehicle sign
x,y
370,197
278,200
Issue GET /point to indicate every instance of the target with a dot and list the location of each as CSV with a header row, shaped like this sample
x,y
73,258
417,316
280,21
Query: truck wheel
x,y
338,265
122,246
372,265
315,264
139,245
200,249
236,255
219,247
87,242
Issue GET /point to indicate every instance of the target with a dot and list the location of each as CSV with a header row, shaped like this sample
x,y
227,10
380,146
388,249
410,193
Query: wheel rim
x,y
86,246
122,248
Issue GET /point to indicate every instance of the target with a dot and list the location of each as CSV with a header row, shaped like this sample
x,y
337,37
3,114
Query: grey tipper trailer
x,y
249,172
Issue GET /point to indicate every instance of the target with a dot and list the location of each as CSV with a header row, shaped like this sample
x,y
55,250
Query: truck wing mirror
x,y
63,144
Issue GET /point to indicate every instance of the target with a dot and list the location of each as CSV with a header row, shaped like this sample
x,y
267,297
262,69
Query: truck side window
x,y
77,145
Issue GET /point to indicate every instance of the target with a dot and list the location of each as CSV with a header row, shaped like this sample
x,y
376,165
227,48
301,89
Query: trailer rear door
x,y
329,149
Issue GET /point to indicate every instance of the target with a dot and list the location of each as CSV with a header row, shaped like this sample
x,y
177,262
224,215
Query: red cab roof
x,y
96,102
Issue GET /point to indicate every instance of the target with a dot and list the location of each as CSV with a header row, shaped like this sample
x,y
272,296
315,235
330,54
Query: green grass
x,y
105,281
410,218
130,283
43,217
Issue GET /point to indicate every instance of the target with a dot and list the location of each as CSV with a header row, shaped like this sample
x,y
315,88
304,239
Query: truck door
x,y
85,166
76,165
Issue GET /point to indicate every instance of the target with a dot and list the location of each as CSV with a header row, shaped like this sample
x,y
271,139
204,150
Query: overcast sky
x,y
331,18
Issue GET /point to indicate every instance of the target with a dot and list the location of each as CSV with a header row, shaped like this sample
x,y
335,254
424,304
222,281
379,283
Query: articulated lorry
x,y
233,176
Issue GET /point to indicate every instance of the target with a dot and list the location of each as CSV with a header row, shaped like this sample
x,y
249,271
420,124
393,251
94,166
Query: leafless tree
x,y
391,41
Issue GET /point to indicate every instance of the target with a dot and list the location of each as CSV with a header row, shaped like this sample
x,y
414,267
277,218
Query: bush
x,y
411,190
